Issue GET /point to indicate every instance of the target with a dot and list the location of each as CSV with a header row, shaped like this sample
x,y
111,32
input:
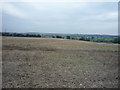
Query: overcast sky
x,y
61,17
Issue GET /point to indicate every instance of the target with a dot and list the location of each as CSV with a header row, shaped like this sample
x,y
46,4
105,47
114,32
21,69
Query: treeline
x,y
84,38
20,35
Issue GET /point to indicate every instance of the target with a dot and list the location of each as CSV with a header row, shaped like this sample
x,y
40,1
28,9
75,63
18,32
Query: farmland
x,y
30,62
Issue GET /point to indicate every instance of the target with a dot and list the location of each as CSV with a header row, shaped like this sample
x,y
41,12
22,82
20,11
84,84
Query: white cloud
x,y
109,16
63,17
0,17
14,11
55,11
59,0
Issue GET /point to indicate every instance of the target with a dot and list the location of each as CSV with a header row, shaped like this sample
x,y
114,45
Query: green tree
x,y
58,36
68,37
53,36
116,40
82,38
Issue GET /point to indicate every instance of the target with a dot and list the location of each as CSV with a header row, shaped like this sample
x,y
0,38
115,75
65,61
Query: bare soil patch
x,y
53,63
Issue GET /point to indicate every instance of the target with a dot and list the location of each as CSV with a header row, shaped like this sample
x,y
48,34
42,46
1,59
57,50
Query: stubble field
x,y
58,63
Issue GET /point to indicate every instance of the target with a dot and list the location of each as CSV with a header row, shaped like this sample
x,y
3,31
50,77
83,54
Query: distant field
x,y
50,62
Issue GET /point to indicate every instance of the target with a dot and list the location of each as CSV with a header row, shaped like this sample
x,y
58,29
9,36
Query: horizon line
x,y
61,33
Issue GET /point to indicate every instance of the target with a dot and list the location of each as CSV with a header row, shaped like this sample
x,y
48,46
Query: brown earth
x,y
58,63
